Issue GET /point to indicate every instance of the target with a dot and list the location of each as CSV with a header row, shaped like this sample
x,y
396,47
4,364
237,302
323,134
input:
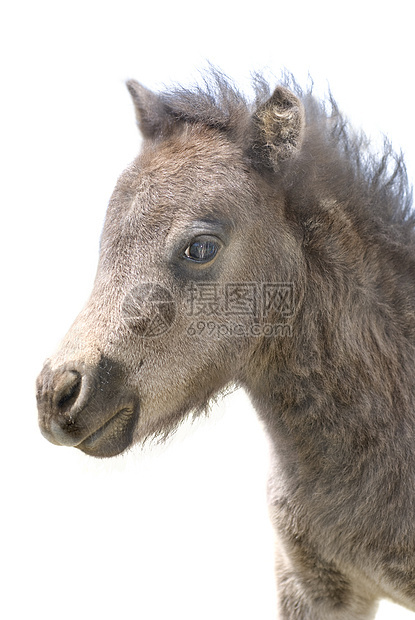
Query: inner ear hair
x,y
278,128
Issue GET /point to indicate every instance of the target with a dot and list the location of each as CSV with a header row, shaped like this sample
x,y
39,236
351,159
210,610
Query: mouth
x,y
113,437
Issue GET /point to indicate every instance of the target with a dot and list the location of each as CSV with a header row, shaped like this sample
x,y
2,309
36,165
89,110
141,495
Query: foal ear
x,y
150,111
278,128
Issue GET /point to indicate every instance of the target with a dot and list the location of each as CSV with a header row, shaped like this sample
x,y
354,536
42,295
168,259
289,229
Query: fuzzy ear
x,y
278,128
151,113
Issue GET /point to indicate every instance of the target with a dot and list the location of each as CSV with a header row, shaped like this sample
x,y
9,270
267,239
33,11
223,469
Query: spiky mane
x,y
333,154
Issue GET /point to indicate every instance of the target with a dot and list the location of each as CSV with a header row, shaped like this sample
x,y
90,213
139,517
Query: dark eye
x,y
202,249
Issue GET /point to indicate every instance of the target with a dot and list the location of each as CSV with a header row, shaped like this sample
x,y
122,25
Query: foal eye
x,y
202,250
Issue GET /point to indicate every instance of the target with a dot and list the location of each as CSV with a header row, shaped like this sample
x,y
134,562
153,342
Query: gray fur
x,y
295,196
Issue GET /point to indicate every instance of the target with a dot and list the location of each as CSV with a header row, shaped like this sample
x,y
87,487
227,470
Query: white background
x,y
179,531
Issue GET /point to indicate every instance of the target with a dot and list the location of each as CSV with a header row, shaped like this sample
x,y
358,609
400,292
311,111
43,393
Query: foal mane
x,y
374,185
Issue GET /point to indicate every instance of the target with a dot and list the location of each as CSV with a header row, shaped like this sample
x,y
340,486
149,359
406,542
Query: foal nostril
x,y
62,395
67,390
